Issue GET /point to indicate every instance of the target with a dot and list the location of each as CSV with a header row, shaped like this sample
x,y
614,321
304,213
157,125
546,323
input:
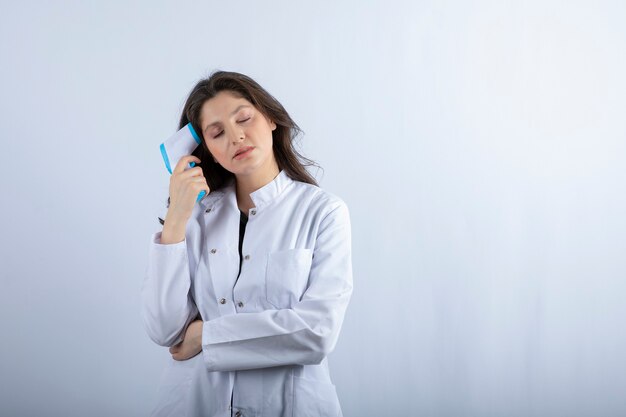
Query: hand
x,y
191,344
185,185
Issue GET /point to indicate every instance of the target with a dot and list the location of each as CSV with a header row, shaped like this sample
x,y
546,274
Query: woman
x,y
249,286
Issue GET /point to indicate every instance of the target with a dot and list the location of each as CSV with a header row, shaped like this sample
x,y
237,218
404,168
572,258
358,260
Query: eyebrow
x,y
234,111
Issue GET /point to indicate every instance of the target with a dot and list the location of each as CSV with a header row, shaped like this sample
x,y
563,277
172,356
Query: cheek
x,y
214,148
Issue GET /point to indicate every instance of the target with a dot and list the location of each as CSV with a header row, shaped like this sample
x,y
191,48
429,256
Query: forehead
x,y
221,106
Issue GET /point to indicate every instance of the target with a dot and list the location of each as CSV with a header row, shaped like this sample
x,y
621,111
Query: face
x,y
229,124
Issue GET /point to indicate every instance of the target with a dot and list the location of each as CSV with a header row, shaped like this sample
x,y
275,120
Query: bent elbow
x,y
327,346
162,339
314,357
320,349
159,334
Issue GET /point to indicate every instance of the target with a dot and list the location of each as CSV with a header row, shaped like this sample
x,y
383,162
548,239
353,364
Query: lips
x,y
242,150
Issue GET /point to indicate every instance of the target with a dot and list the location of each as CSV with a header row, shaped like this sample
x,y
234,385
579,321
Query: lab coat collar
x,y
260,197
271,190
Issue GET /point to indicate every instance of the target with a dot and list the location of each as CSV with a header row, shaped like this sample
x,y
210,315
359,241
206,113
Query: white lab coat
x,y
267,334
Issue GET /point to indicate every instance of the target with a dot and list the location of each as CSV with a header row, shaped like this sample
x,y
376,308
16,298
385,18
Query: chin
x,y
249,169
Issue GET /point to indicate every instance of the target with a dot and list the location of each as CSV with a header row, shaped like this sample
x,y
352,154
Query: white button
x,y
222,301
213,250
208,210
253,212
247,257
240,303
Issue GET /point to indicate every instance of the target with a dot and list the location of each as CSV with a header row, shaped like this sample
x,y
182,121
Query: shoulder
x,y
318,199
326,213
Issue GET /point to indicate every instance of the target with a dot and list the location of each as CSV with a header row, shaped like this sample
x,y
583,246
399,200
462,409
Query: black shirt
x,y
243,220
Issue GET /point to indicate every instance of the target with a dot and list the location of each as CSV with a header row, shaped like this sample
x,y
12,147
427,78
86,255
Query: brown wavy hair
x,y
242,86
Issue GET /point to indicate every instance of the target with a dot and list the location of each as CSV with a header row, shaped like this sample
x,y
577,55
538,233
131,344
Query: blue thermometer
x,y
180,144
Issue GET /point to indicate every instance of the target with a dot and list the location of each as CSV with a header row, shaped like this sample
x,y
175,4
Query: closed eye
x,y
241,121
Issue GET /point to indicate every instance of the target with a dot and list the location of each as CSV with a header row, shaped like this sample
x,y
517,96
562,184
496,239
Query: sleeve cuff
x,y
208,361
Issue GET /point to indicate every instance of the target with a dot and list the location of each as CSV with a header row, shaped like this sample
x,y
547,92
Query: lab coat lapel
x,y
222,248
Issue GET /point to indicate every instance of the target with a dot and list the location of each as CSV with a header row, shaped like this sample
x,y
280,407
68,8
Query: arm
x,y
167,307
304,334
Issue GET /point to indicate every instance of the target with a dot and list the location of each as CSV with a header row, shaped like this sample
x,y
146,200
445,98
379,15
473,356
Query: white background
x,y
480,147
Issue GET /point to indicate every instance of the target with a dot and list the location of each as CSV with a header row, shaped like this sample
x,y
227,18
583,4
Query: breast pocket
x,y
286,276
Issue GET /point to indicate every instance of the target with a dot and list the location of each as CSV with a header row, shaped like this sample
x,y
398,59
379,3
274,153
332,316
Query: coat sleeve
x,y
304,334
167,306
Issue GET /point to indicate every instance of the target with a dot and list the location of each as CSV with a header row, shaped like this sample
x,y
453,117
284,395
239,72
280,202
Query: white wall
x,y
480,146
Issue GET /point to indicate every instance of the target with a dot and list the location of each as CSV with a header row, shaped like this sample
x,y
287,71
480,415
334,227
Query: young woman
x,y
249,286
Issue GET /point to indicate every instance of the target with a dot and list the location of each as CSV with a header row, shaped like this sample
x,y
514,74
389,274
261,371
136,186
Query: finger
x,y
201,185
200,180
192,172
183,163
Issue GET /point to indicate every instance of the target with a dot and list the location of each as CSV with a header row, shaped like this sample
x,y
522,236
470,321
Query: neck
x,y
246,184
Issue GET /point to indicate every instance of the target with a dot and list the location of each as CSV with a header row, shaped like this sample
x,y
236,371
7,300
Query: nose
x,y
237,135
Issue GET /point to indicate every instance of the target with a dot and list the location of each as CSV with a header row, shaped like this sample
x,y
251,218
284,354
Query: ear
x,y
273,125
